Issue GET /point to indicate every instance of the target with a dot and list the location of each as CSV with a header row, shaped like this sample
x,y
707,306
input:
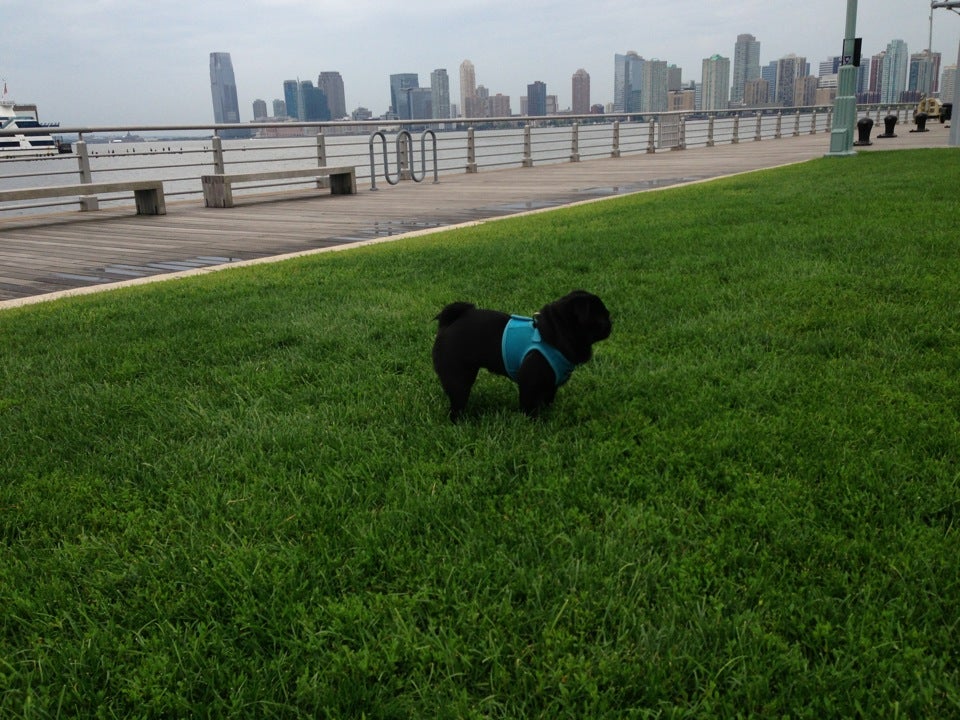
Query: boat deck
x,y
45,256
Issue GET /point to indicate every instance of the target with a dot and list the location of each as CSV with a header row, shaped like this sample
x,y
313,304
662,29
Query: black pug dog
x,y
539,353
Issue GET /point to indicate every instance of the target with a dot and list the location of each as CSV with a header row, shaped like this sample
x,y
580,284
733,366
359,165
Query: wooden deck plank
x,y
44,253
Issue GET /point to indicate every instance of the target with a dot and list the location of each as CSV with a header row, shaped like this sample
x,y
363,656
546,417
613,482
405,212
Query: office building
x,y
468,89
223,87
581,92
537,98
440,93
789,71
259,109
769,73
399,84
894,67
627,82
830,66
419,103
313,102
756,93
746,65
674,78
654,86
923,73
279,108
948,84
331,84
498,106
716,83
291,98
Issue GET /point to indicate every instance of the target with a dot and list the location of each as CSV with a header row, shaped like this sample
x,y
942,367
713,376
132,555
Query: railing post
x,y
710,120
471,151
83,161
218,165
87,202
829,127
651,142
813,124
527,147
321,148
403,155
758,135
615,152
796,124
777,133
736,130
575,143
681,134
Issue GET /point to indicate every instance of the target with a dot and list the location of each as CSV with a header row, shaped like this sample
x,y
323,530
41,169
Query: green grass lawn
x,y
239,494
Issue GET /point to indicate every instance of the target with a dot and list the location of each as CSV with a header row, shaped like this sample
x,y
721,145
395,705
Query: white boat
x,y
13,144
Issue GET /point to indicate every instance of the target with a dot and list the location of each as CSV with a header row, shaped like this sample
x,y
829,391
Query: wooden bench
x,y
218,188
148,194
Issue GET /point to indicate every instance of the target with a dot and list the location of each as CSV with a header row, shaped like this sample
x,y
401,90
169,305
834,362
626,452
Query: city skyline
x,y
135,62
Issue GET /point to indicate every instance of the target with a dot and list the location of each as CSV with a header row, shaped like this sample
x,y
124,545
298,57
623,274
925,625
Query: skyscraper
x,y
627,82
581,92
291,96
537,98
223,86
924,72
894,71
468,89
654,86
790,69
259,109
331,84
746,65
440,93
399,98
716,83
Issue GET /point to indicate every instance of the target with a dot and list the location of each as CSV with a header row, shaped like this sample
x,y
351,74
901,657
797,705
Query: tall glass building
x,y
399,98
223,86
440,93
746,65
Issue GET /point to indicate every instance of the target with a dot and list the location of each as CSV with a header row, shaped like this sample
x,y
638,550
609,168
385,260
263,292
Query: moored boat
x,y
15,117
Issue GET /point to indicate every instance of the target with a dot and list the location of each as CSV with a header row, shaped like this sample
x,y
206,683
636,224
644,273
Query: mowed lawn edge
x,y
239,494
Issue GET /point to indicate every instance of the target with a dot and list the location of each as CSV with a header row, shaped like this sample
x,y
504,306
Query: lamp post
x,y
845,105
954,125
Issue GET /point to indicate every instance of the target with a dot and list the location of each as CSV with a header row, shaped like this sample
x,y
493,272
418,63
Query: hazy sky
x,y
116,62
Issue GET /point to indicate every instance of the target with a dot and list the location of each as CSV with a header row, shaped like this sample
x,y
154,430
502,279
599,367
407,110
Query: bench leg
x,y
343,183
216,192
89,203
150,202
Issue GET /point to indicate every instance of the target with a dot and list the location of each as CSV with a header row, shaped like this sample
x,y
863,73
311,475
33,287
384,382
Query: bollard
x,y
921,120
889,123
864,126
946,112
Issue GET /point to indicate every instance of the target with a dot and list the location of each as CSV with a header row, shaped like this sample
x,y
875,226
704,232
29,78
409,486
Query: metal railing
x,y
458,146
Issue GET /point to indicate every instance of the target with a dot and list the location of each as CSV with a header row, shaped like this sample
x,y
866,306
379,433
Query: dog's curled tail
x,y
451,312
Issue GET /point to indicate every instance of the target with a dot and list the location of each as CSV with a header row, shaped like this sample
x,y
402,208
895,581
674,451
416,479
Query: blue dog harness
x,y
520,337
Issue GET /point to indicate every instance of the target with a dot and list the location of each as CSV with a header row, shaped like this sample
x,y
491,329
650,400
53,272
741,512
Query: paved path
x,y
44,256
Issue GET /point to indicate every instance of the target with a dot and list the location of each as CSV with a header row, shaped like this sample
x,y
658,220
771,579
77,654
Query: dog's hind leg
x,y
457,386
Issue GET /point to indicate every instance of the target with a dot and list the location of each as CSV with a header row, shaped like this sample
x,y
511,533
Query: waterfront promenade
x,y
46,256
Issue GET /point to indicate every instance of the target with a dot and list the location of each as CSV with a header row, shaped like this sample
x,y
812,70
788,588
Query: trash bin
x,y
946,111
889,123
921,120
864,127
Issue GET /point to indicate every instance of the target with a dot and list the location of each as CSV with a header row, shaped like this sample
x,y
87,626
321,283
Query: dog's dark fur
x,y
469,338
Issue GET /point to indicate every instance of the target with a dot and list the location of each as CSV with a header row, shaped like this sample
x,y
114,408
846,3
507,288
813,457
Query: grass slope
x,y
238,495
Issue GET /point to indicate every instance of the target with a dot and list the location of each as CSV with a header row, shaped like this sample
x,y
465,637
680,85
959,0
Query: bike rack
x,y
404,141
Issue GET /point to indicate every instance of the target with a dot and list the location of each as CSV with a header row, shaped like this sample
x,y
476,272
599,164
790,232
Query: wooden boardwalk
x,y
44,256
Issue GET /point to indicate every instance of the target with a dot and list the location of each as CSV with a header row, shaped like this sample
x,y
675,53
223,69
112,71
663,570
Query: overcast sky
x,y
117,62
